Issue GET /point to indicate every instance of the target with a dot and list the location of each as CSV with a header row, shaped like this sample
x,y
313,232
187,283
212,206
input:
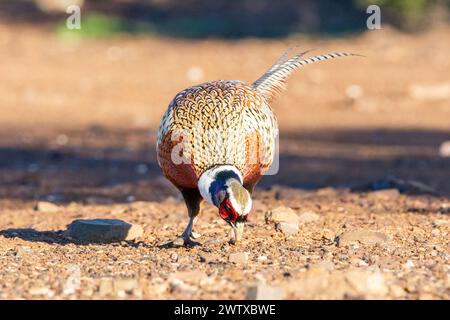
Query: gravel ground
x,y
77,137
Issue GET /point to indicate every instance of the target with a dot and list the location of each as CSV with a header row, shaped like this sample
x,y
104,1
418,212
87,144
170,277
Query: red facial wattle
x,y
227,212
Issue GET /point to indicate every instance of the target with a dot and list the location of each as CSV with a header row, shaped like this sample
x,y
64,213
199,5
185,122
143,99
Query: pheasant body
x,y
218,122
217,139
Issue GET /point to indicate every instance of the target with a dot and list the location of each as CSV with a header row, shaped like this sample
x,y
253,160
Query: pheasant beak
x,y
238,231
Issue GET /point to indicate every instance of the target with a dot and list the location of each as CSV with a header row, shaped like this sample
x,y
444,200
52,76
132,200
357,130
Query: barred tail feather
x,y
274,80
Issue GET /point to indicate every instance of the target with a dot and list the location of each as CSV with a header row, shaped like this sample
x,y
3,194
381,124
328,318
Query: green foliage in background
x,y
96,25
407,14
199,22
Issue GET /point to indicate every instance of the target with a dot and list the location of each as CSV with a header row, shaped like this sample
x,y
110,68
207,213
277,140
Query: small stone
x,y
324,265
361,236
22,251
125,285
73,282
308,216
264,292
196,277
157,289
408,264
288,228
368,283
444,149
106,287
282,214
328,234
435,232
440,223
386,194
177,285
238,257
41,291
44,206
397,291
103,230
358,262
262,258
174,257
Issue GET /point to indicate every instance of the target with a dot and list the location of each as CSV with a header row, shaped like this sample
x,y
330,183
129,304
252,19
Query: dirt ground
x,y
77,128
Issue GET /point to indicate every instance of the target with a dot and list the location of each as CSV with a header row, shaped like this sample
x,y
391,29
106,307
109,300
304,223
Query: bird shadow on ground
x,y
58,237
107,169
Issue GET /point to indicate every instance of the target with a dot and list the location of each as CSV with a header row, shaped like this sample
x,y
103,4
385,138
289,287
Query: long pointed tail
x,y
274,80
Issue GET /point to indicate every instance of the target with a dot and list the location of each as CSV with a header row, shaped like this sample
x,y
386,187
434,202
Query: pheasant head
x,y
222,187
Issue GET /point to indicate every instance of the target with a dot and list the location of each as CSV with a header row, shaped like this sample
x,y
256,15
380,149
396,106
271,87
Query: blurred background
x,y
79,109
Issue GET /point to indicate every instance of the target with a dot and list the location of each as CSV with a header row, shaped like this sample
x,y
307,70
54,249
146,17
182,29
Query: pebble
x,y
126,285
408,264
192,277
41,291
238,257
177,285
23,251
308,216
397,291
444,149
73,282
440,223
44,206
262,258
362,236
324,265
288,228
282,214
106,287
370,283
103,230
265,292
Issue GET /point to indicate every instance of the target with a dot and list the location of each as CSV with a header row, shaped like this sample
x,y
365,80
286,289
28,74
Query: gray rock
x,y
282,214
361,236
288,228
265,292
103,230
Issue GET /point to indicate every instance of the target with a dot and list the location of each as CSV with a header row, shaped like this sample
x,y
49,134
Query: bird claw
x,y
195,235
184,241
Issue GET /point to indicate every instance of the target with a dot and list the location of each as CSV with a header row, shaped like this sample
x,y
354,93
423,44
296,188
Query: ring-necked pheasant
x,y
217,139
